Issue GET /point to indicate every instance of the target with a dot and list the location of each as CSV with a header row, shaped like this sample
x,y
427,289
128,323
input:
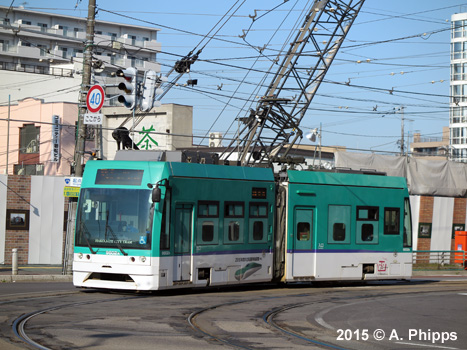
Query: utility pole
x,y
402,130
401,111
81,136
8,135
87,63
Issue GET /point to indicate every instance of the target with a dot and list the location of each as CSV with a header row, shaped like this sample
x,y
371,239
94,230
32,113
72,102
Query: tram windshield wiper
x,y
85,233
114,236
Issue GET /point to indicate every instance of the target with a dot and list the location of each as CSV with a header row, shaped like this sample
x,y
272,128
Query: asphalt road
x,y
415,315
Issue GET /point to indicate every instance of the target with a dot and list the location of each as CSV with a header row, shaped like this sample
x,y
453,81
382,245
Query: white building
x,y
458,103
41,53
168,127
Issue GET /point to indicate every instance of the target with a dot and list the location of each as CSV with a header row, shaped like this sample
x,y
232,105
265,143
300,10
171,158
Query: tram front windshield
x,y
114,218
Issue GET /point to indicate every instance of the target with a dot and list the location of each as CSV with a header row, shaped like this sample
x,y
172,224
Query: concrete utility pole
x,y
8,135
81,136
87,63
402,130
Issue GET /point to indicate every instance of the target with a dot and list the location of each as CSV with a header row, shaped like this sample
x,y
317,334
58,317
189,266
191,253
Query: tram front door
x,y
182,246
303,253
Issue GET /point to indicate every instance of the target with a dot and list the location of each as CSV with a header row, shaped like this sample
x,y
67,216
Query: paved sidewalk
x,y
34,273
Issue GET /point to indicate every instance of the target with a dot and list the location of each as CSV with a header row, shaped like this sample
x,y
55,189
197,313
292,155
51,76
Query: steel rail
x,y
194,325
20,323
268,318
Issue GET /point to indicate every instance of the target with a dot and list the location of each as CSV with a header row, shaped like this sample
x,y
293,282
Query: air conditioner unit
x,y
215,139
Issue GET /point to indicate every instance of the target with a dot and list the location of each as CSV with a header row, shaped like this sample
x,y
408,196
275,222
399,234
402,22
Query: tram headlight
x,y
142,259
80,255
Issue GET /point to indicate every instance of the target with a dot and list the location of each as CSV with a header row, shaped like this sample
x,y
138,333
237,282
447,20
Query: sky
x,y
393,64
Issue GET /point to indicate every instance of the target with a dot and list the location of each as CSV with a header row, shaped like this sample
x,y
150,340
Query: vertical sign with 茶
x,y
55,155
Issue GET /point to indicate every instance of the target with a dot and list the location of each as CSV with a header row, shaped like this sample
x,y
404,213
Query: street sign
x,y
93,118
95,98
73,181
69,191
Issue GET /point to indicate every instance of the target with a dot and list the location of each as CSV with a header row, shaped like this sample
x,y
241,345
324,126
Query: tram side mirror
x,y
156,194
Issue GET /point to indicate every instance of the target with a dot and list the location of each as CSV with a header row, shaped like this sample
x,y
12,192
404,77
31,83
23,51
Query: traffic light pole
x,y
86,81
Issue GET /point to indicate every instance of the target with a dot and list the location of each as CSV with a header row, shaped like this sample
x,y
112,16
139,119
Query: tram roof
x,y
191,170
331,178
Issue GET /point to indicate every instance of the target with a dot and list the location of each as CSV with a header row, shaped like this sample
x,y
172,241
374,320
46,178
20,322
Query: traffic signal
x,y
150,90
129,86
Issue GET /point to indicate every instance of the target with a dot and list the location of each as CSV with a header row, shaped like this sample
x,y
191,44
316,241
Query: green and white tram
x,y
158,225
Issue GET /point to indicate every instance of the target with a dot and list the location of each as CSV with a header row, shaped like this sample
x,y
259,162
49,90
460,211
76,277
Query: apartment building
x,y
458,103
41,54
41,66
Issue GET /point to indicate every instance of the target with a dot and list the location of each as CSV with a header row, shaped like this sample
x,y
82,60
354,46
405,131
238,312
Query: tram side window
x,y
339,224
258,222
207,231
367,225
367,233
391,221
407,224
165,237
208,222
233,222
303,231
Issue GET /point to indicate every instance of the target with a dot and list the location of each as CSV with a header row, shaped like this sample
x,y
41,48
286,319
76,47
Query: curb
x,y
36,278
446,273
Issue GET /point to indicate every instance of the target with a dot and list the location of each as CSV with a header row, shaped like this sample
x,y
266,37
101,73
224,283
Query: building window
x,y
29,139
458,115
457,93
42,26
4,45
65,30
64,52
457,50
28,169
457,71
458,29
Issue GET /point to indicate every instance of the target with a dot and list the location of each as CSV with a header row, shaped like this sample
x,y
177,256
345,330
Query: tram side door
x,y
303,253
182,246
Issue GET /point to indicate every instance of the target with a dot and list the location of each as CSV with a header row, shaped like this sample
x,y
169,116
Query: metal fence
x,y
439,259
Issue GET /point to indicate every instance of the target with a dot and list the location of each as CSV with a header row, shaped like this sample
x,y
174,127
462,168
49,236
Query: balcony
x,y
30,68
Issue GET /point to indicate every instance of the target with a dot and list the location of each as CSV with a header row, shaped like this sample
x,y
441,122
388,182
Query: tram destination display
x,y
129,177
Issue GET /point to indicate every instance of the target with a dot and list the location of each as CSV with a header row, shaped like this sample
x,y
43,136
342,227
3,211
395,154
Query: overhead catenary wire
x,y
206,92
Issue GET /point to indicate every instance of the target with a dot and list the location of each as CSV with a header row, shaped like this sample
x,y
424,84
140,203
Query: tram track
x,y
268,317
19,323
254,321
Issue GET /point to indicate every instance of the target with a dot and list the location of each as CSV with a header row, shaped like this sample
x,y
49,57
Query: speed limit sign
x,y
95,98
